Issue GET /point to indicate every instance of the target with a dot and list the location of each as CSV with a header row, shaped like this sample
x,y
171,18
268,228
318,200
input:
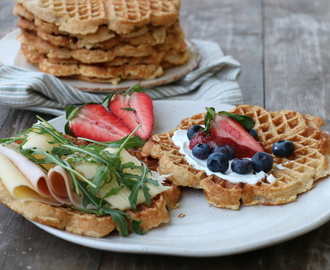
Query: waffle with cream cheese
x,y
294,175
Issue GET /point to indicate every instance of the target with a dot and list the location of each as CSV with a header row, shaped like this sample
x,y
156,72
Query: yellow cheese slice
x,y
36,140
17,185
40,141
120,200
32,172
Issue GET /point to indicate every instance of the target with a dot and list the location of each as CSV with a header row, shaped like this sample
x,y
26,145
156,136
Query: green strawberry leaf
x,y
245,121
134,88
107,100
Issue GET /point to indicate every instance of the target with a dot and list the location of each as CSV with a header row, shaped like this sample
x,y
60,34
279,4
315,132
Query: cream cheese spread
x,y
180,139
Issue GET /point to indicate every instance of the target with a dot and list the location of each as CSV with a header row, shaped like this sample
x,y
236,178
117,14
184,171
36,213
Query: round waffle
x,y
151,37
113,71
294,175
120,16
84,55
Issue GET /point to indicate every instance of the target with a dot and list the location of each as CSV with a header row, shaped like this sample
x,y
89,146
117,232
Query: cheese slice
x,y
35,140
32,172
17,184
120,200
40,141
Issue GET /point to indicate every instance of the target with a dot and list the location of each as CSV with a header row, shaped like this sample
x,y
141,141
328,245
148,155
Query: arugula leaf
x,y
129,109
140,185
128,142
119,217
137,228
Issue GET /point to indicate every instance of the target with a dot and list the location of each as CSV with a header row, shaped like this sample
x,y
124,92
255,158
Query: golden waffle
x,y
294,175
113,71
33,56
147,72
116,62
151,37
102,34
120,16
121,49
84,55
21,11
77,222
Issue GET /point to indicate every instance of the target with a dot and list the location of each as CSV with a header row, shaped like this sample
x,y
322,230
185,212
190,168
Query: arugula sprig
x,y
110,168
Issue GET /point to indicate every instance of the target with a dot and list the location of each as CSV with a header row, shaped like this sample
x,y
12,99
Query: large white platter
x,y
208,231
10,55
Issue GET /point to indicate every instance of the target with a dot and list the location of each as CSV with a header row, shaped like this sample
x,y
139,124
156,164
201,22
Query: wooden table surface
x,y
284,49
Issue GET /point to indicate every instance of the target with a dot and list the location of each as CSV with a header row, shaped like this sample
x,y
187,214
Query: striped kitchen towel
x,y
215,78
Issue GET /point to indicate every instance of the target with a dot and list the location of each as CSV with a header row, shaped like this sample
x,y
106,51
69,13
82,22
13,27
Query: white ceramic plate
x,y
10,55
205,230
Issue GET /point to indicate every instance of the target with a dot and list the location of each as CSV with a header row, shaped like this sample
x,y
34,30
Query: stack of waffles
x,y
102,40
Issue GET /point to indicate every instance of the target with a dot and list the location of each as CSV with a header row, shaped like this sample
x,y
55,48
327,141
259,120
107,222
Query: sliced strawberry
x,y
134,108
225,130
95,122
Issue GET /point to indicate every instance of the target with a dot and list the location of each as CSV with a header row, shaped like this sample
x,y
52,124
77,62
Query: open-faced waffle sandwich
x,y
287,175
102,41
89,186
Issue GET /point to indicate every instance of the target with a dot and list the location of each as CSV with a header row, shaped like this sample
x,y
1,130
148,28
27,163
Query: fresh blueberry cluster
x,y
218,156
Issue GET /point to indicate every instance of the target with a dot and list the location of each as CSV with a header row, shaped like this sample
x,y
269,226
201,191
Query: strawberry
x,y
221,128
95,122
133,108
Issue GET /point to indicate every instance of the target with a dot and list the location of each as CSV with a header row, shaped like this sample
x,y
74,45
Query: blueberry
x,y
217,162
201,151
262,161
254,133
283,148
241,166
226,150
192,131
